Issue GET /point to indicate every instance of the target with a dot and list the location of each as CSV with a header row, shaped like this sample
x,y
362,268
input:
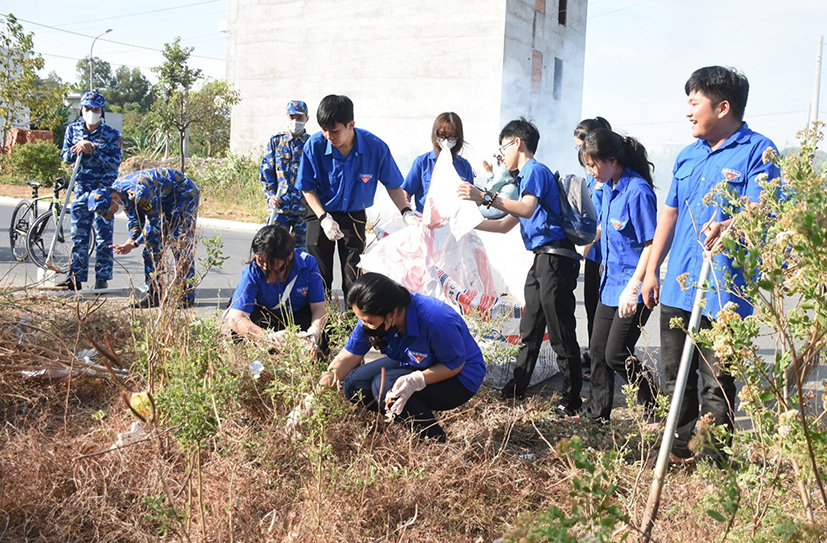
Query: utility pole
x,y
108,30
817,88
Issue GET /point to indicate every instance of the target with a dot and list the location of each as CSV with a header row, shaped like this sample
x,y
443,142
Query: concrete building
x,y
402,63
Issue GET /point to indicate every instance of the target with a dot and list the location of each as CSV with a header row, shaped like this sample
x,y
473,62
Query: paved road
x,y
212,293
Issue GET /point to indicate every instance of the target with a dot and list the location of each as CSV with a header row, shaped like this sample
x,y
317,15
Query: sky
x,y
639,53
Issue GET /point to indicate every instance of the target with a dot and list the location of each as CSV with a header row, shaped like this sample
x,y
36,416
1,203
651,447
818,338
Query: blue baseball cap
x,y
296,107
92,100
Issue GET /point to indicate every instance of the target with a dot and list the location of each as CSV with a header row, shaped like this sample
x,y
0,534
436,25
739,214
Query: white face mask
x,y
295,127
446,144
91,117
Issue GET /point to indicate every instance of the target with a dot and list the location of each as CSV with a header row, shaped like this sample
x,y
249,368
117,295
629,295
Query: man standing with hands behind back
x,y
338,175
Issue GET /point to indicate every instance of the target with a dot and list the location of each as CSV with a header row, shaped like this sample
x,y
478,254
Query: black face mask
x,y
375,332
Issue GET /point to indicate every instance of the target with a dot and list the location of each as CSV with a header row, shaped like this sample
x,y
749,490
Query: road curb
x,y
215,223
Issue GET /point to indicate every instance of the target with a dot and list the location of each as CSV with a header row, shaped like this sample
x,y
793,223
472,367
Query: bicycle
x,y
44,229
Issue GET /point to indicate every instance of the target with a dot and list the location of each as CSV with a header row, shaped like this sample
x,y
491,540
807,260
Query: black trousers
x,y
612,349
591,292
364,384
718,388
351,246
549,304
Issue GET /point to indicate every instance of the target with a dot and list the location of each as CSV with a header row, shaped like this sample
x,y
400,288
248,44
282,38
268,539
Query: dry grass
x,y
350,477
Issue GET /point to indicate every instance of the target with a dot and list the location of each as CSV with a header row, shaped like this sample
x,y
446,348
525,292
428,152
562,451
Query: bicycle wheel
x,y
21,220
39,241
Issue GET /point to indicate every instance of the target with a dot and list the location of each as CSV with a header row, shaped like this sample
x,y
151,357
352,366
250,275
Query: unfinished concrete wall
x,y
401,63
543,73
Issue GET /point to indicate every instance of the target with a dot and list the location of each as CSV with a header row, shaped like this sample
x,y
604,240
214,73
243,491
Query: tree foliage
x,y
18,72
211,136
101,75
130,91
46,106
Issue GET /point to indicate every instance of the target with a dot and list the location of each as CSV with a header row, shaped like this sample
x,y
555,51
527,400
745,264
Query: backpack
x,y
578,218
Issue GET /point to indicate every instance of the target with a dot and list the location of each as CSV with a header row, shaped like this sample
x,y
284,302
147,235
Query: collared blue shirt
x,y
153,196
628,220
697,170
347,184
99,169
540,229
418,180
434,334
596,189
253,288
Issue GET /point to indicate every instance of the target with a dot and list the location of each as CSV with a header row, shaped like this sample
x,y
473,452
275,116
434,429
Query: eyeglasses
x,y
443,136
505,146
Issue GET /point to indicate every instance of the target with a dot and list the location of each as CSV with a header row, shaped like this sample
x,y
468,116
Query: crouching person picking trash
x,y
279,286
432,362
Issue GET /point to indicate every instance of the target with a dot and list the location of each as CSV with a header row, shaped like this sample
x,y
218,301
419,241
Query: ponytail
x,y
603,144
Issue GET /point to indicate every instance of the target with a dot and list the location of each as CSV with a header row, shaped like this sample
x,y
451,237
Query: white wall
x,y
402,63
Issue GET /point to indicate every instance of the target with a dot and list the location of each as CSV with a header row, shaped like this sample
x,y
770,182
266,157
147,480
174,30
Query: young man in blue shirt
x,y
550,283
338,176
726,151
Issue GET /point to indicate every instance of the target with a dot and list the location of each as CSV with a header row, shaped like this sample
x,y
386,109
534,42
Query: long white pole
x,y
59,227
653,502
817,88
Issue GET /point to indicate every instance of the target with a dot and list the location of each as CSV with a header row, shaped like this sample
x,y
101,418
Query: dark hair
x,y
718,84
602,144
273,242
587,125
523,129
375,294
449,117
334,108
583,129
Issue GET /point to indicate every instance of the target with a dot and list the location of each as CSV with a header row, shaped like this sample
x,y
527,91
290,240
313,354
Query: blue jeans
x,y
364,385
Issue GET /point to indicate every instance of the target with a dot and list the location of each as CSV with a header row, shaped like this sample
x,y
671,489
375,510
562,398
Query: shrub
x,y
38,160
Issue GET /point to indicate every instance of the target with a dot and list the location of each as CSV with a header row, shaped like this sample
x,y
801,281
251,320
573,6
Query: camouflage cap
x,y
92,100
296,107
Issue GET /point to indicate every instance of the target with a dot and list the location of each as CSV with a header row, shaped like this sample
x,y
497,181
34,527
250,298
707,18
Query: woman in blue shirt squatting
x,y
592,252
628,217
447,135
431,361
279,286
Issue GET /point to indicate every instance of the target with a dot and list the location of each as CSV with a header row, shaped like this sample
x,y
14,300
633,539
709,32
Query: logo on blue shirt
x,y
417,357
729,175
365,177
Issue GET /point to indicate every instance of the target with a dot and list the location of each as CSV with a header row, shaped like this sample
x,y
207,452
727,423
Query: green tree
x,y
18,73
211,136
48,111
174,108
130,91
102,78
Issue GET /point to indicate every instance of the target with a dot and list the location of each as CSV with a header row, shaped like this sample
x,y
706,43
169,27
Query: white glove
x,y
312,334
403,389
331,229
627,305
410,217
275,338
301,412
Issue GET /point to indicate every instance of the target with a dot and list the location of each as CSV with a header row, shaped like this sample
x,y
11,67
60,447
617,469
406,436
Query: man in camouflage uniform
x,y
161,207
278,173
100,148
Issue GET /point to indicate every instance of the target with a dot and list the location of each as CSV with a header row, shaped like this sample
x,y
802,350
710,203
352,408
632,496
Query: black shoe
x,y
70,284
101,284
565,410
510,392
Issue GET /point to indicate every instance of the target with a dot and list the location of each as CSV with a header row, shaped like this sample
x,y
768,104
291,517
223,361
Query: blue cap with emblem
x,y
296,107
92,100
100,201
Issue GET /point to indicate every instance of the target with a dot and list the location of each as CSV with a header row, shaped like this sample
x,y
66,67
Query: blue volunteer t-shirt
x,y
347,184
253,288
540,229
418,180
628,220
434,333
596,189
738,161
